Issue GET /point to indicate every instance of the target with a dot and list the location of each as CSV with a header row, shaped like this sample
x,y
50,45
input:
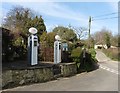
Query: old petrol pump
x,y
33,47
57,50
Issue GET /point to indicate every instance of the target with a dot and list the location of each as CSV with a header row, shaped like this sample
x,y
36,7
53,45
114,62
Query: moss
x,y
13,78
68,69
6,77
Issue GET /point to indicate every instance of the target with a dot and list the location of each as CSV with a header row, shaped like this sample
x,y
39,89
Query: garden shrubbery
x,y
12,49
76,54
7,47
84,64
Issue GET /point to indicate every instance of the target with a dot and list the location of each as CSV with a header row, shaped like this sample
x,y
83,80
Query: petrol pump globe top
x,y
33,30
57,37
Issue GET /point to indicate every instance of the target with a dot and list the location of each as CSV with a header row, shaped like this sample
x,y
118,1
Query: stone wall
x,y
16,77
68,69
6,77
22,76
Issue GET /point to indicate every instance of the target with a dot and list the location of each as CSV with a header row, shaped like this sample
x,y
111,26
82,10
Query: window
x,y
35,43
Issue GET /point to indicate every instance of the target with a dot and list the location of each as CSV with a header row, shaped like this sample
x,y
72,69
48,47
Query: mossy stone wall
x,y
68,69
17,77
22,76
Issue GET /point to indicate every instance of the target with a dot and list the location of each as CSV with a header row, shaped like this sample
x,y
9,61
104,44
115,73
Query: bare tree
x,y
99,36
81,32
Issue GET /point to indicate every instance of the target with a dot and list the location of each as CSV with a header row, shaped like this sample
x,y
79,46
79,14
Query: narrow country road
x,y
107,63
103,79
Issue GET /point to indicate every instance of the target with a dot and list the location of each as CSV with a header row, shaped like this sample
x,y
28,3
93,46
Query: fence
x,y
46,53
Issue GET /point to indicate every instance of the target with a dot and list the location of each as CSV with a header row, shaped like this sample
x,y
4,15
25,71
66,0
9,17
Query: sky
x,y
74,13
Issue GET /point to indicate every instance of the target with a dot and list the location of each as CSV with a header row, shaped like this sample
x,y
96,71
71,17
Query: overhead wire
x,y
106,14
103,17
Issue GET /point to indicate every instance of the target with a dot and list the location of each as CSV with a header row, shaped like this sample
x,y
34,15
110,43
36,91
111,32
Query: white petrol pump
x,y
33,47
57,50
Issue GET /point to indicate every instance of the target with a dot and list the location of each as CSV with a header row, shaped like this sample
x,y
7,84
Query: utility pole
x,y
89,31
89,26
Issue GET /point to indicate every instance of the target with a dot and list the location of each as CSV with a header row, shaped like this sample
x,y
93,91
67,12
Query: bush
x,y
84,64
7,46
76,54
12,48
90,62
71,46
92,52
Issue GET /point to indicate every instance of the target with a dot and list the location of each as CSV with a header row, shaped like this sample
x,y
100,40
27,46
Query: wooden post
x,y
89,30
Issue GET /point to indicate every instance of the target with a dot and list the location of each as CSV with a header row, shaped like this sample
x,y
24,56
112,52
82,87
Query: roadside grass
x,y
112,53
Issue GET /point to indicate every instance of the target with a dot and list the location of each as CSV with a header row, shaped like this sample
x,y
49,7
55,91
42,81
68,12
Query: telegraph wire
x,y
104,18
106,14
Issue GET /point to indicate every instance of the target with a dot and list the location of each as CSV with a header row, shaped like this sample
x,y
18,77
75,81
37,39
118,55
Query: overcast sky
x,y
75,13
